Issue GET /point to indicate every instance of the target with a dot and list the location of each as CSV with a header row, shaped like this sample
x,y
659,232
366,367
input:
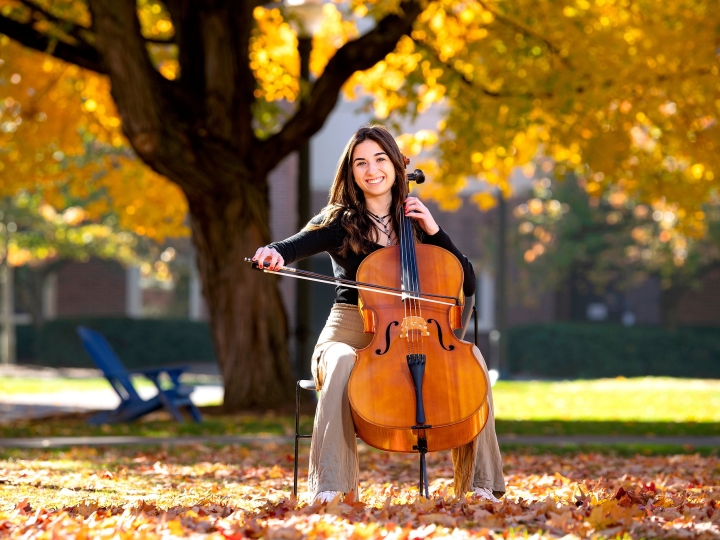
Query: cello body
x,y
382,391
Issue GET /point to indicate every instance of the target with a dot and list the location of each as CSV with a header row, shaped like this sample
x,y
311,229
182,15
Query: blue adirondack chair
x,y
132,406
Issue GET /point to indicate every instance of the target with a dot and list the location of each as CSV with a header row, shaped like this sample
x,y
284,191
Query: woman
x,y
363,215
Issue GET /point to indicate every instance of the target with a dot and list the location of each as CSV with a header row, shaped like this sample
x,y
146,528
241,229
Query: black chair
x,y
469,311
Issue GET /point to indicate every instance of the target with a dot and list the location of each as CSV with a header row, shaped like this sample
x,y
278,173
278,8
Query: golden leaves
x,y
232,492
60,135
609,89
274,55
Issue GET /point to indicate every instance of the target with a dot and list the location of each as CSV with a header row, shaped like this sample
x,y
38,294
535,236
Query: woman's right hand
x,y
268,254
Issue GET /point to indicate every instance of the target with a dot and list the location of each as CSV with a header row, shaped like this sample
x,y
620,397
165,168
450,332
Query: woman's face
x,y
372,169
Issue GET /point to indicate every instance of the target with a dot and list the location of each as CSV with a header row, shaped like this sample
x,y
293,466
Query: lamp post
x,y
304,16
499,334
7,336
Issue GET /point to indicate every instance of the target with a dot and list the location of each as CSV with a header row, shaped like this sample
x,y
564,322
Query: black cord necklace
x,y
380,222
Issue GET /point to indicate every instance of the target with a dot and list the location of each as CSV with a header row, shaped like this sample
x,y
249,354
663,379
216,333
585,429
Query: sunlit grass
x,y
640,406
37,385
56,385
646,399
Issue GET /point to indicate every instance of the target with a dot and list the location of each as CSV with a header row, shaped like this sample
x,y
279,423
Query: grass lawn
x,y
40,385
642,406
53,385
645,399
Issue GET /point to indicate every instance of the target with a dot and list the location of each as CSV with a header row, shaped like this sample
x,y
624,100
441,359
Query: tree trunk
x,y
198,131
247,317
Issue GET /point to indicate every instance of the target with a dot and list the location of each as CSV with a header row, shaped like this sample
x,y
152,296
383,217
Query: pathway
x,y
561,440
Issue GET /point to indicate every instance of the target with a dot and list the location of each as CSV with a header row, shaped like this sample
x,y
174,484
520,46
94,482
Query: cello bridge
x,y
413,323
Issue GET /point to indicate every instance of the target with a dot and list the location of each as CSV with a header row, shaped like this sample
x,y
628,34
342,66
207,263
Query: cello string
x,y
414,266
413,281
408,269
416,275
403,273
415,285
413,271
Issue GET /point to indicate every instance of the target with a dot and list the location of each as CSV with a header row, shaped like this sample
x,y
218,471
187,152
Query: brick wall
x,y
702,307
644,302
96,287
468,227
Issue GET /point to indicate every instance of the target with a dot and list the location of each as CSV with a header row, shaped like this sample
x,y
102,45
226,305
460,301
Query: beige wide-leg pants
x,y
333,451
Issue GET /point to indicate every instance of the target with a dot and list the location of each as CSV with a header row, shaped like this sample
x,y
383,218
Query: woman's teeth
x,y
375,181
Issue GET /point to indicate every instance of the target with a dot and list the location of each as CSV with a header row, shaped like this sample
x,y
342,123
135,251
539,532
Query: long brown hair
x,y
347,201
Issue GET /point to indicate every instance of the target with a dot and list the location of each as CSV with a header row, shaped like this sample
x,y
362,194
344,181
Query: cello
x,y
416,387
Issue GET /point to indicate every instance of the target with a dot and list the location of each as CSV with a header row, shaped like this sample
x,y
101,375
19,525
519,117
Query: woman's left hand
x,y
417,210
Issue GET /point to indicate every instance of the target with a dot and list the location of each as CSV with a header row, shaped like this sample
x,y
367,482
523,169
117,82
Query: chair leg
x,y
170,406
195,413
297,436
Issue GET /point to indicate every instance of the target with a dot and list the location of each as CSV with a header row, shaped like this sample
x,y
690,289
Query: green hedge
x,y
583,351
138,342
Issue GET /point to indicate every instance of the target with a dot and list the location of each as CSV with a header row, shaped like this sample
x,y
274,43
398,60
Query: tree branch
x,y
185,15
526,31
71,29
136,85
161,41
469,82
245,82
356,55
84,55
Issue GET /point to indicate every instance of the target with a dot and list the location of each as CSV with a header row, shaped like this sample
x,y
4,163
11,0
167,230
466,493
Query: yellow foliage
x,y
627,89
484,200
274,54
54,118
273,57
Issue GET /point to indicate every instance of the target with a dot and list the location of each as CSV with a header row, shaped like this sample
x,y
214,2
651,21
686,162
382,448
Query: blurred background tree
x,y
60,137
566,236
41,239
625,93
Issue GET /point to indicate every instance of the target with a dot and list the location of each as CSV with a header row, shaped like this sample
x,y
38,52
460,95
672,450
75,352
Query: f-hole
x,y
387,338
440,339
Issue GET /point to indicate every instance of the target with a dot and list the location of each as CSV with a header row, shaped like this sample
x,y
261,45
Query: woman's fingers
x,y
414,206
268,254
276,262
415,209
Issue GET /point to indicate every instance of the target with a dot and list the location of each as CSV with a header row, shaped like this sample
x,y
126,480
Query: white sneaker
x,y
485,493
325,497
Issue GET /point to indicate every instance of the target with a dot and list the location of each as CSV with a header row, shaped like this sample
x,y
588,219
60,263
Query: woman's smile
x,y
372,169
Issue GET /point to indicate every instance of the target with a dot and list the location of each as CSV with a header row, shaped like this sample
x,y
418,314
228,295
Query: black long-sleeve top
x,y
330,239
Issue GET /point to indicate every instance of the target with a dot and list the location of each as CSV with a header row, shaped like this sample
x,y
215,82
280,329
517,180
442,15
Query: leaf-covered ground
x,y
245,491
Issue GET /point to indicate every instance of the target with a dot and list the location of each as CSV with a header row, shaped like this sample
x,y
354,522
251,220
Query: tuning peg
x,y
416,176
